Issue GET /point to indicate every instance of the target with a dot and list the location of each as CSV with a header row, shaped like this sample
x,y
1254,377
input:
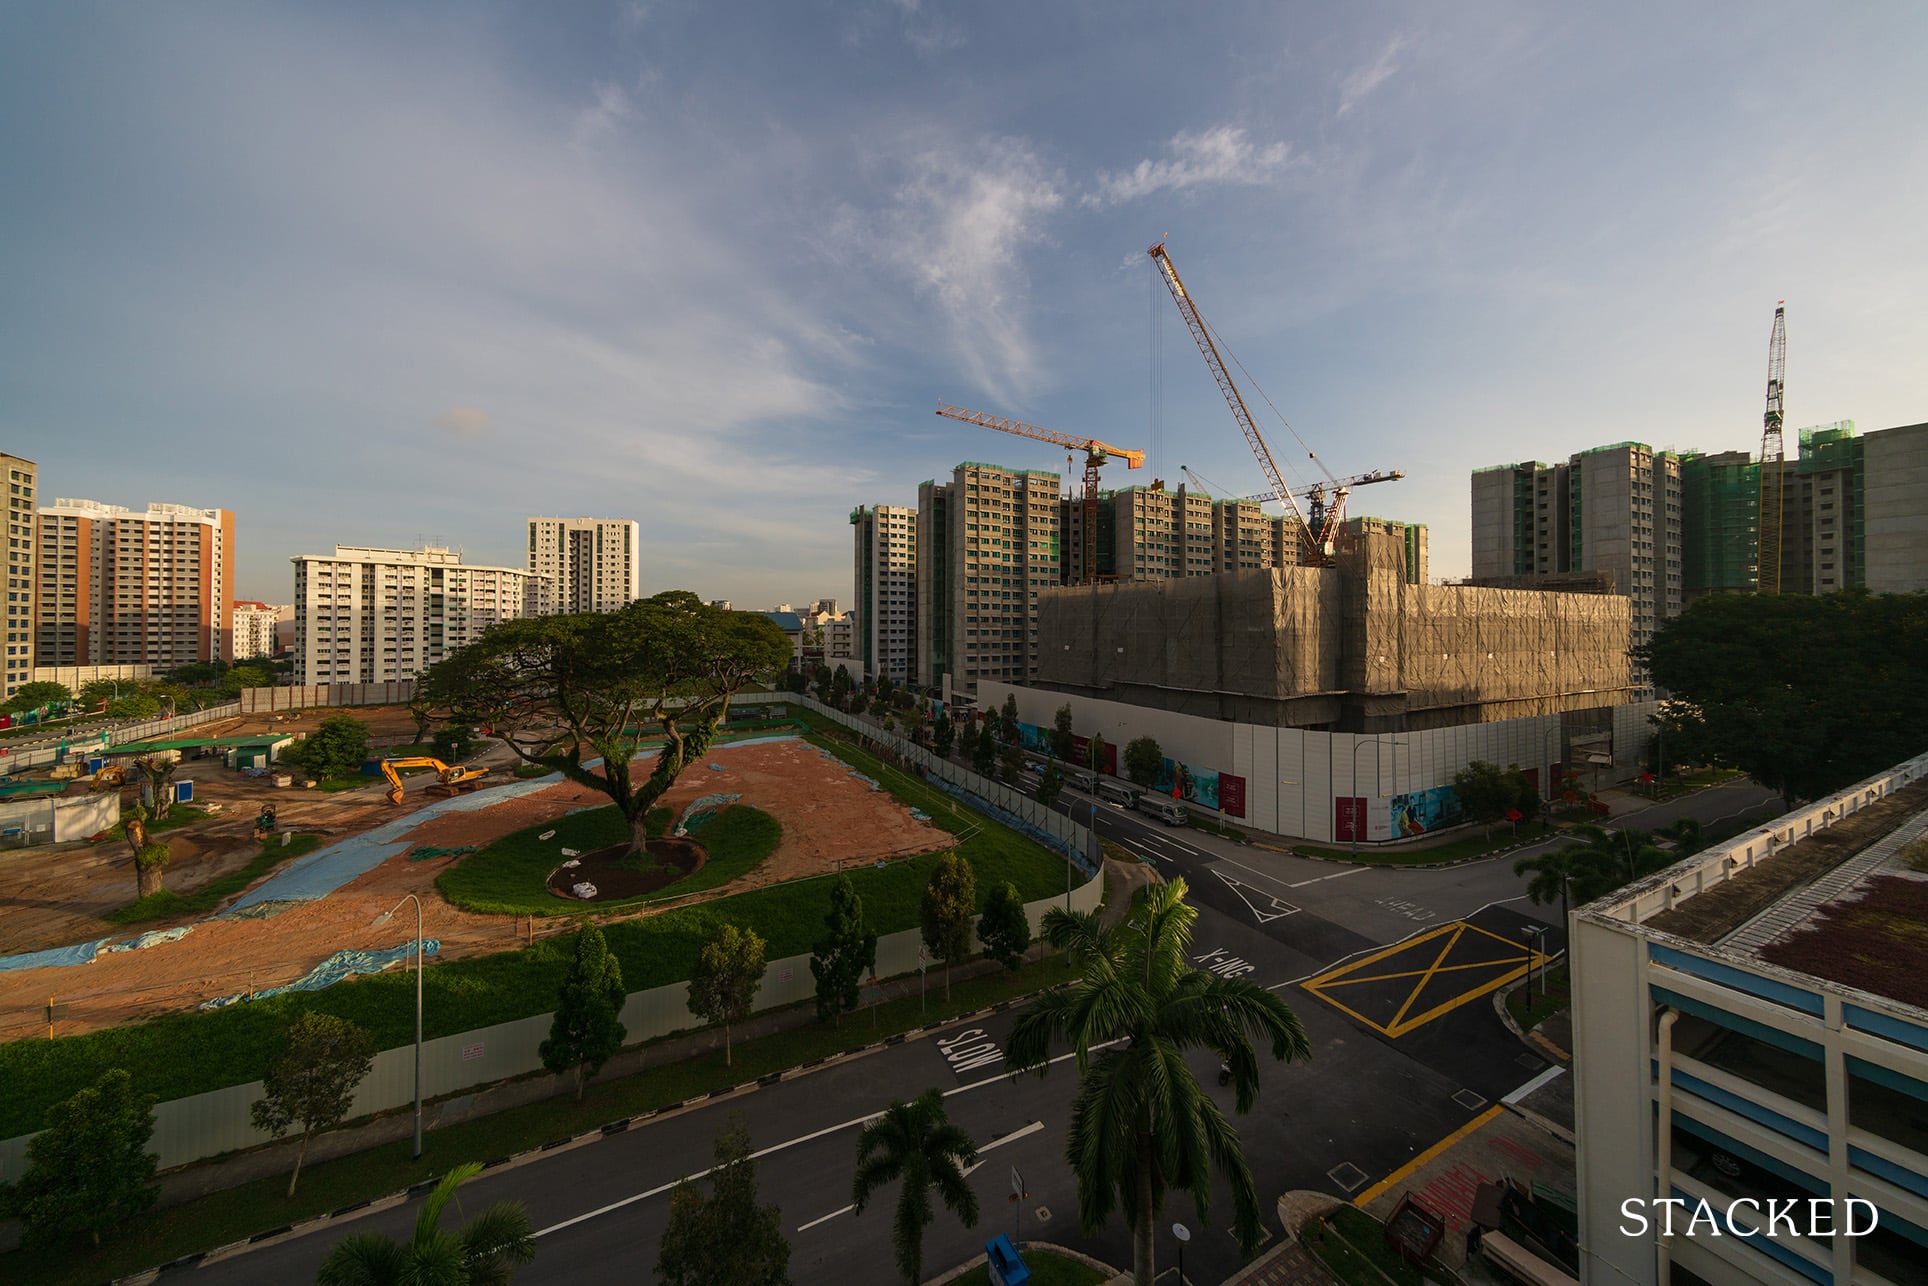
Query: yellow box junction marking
x,y
1431,960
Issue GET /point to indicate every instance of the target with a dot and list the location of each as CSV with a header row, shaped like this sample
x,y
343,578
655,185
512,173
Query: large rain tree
x,y
1805,693
1141,1124
564,691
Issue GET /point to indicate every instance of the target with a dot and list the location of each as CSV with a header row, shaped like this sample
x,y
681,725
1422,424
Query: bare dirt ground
x,y
828,817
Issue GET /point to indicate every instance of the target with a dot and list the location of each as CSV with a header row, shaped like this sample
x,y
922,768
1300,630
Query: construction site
x,y
1354,646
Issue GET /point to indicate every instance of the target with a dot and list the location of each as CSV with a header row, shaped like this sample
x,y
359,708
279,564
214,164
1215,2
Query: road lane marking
x,y
1533,1084
758,1155
1497,972
1032,1128
1416,933
1405,1171
1340,875
1272,908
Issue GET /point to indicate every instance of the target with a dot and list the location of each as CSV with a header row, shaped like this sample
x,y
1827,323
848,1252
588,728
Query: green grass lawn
x,y
187,1053
1046,1268
1458,850
168,904
1530,1012
1353,1245
509,876
224,1217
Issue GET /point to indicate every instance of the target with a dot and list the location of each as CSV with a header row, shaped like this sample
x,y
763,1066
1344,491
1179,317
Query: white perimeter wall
x,y
1292,775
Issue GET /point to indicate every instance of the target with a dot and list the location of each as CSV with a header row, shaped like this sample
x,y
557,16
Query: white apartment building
x,y
21,478
254,629
373,615
593,563
119,586
886,583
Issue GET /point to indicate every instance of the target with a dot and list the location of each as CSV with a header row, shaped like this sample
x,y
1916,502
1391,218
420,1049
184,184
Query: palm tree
x,y
1141,1124
914,1141
486,1252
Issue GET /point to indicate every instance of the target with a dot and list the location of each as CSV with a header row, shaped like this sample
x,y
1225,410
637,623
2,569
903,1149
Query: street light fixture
x,y
381,920
1535,937
1184,1235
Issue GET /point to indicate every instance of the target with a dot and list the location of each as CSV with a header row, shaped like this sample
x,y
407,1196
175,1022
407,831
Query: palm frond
x,y
429,1219
363,1259
497,1241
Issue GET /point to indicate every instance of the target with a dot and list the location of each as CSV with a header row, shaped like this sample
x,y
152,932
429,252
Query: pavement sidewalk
x,y
203,1178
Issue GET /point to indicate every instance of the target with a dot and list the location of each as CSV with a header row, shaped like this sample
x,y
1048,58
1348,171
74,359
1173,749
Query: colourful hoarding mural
x,y
1424,810
1180,781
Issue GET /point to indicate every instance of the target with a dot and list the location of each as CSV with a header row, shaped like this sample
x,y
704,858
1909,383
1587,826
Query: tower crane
x,y
1316,516
1097,455
1767,578
1319,528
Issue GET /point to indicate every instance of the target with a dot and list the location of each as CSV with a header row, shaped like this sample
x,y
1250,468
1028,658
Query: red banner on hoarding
x,y
1349,817
1231,795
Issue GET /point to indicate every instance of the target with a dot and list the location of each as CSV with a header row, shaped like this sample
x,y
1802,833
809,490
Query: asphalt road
x,y
1391,970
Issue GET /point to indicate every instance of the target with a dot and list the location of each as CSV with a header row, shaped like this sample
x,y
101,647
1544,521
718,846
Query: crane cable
x,y
1252,383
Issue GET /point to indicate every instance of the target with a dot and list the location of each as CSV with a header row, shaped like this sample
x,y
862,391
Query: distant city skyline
x,y
371,275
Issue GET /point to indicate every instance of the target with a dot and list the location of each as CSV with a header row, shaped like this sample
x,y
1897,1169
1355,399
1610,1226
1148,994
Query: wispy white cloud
x,y
955,229
611,106
1221,155
1360,85
927,33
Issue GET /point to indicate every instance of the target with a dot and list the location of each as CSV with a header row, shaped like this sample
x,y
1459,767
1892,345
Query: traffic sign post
x,y
1018,1194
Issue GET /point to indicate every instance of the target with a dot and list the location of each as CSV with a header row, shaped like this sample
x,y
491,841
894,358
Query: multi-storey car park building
x,y
987,542
374,615
22,476
121,587
1751,1032
593,564
884,633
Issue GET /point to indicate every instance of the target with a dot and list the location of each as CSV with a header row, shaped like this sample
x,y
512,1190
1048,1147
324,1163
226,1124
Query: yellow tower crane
x,y
1097,455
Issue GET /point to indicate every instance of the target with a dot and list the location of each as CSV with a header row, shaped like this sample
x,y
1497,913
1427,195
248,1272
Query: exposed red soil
x,y
52,896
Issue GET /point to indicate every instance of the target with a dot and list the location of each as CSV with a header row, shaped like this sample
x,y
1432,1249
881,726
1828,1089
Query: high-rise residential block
x,y
884,633
1613,508
374,615
1720,527
254,629
987,541
1896,516
118,586
594,564
22,477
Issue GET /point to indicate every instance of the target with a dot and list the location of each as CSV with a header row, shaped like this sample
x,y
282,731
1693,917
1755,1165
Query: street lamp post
x,y
1184,1235
1357,746
383,919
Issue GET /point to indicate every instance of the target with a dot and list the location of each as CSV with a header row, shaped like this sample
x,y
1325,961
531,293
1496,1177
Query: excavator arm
x,y
449,778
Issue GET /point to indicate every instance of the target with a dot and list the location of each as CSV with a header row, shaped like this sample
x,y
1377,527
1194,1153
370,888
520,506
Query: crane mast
x,y
1097,455
1773,475
1196,324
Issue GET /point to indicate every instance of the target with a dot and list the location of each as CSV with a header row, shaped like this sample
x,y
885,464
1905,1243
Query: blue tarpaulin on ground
x,y
343,964
53,957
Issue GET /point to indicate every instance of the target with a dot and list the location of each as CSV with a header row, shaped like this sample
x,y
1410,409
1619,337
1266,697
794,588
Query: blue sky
x,y
371,274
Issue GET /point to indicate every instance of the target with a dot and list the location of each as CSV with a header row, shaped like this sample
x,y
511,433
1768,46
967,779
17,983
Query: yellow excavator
x,y
109,775
450,779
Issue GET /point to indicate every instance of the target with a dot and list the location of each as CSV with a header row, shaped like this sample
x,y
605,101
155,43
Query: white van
x,y
1164,808
1116,792
1081,779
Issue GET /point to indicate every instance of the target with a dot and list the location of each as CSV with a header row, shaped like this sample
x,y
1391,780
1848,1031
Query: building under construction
x,y
1362,645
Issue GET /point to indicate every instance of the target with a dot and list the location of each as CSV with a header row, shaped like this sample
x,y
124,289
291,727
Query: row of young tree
x,y
1142,1127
